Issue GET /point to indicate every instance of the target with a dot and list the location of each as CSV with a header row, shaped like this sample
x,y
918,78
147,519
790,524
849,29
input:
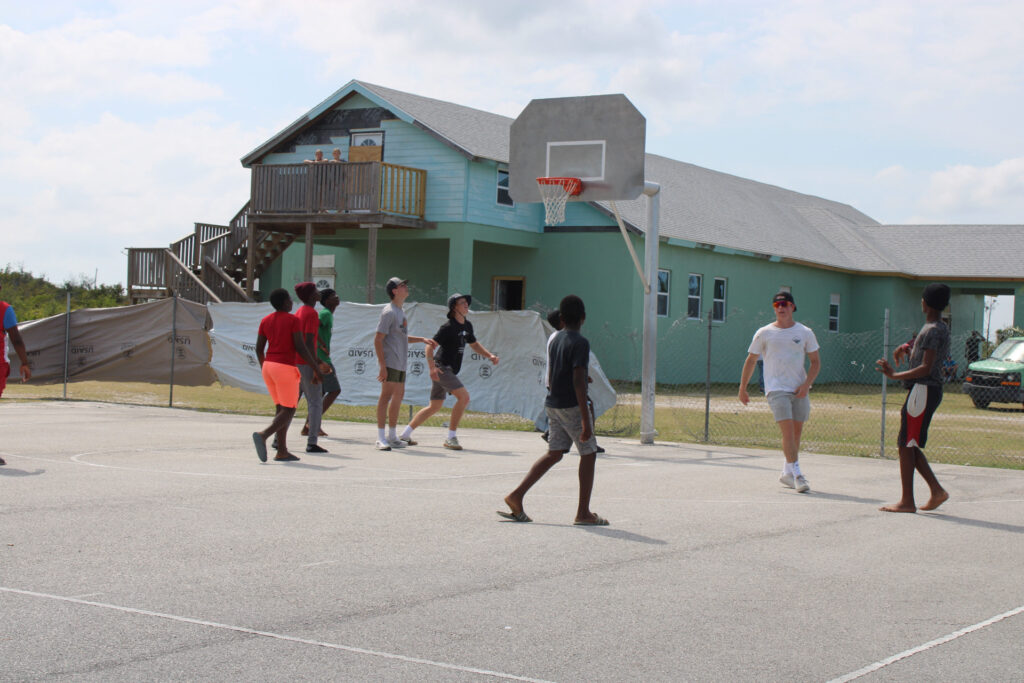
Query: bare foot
x,y
516,506
285,456
936,500
305,430
898,507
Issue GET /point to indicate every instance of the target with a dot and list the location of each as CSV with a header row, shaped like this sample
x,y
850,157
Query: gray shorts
x,y
565,429
330,383
786,406
447,382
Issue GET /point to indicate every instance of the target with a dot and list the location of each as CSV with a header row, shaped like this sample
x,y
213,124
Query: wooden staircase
x,y
208,265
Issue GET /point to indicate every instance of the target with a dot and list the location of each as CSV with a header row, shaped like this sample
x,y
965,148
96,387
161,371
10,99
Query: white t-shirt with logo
x,y
783,350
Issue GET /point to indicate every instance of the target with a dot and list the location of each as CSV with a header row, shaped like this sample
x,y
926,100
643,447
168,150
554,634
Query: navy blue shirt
x,y
568,350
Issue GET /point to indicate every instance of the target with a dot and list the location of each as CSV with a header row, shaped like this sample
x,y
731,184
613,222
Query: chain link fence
x,y
854,410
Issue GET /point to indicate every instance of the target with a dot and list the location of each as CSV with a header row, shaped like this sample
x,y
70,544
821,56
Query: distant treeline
x,y
34,298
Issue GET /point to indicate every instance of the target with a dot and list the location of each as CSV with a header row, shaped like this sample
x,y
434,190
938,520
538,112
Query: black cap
x,y
454,299
394,283
783,295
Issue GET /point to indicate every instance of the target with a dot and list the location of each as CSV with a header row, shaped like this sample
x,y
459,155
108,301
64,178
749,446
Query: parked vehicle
x,y
997,378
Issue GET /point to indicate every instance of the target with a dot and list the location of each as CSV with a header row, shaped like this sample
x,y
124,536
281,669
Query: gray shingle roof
x,y
707,207
988,252
478,133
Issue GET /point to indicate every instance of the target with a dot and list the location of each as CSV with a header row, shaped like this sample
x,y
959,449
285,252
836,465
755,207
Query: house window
x,y
833,313
508,293
664,281
718,301
693,295
503,196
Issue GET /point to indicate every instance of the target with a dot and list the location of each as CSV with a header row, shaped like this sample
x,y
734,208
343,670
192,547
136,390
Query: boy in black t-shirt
x,y
570,421
451,338
924,383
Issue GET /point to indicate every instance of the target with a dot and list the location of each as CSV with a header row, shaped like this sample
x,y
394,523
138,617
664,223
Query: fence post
x,y
707,387
174,341
885,381
67,342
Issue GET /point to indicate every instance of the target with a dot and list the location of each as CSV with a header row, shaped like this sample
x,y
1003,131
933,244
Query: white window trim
x,y
499,188
834,300
699,296
725,292
667,294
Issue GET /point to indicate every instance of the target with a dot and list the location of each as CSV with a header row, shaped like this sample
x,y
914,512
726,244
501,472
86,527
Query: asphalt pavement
x,y
141,543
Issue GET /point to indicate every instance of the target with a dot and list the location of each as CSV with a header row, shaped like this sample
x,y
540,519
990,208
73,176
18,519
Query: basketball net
x,y
554,192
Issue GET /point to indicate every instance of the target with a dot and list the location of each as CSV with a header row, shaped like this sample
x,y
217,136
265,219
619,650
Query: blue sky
x,y
123,122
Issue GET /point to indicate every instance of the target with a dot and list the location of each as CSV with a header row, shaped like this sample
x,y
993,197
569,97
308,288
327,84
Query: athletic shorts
x,y
282,382
330,382
5,369
565,429
786,406
916,414
395,376
446,383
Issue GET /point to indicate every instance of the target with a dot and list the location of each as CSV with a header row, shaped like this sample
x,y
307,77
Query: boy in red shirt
x,y
278,344
309,320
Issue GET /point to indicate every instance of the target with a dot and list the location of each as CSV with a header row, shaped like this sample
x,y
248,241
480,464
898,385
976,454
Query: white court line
x,y
927,646
278,636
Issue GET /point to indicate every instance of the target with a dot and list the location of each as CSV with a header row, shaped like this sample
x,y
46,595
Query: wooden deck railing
x,y
369,186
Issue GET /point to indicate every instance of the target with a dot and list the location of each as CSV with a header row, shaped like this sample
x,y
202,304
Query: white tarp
x,y
515,385
121,344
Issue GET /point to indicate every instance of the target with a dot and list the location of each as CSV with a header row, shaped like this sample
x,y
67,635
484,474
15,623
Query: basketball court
x,y
141,543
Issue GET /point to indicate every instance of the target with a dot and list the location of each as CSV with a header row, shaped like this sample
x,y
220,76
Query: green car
x,y
997,378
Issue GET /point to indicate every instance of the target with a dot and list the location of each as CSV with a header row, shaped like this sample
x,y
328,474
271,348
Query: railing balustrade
x,y
369,186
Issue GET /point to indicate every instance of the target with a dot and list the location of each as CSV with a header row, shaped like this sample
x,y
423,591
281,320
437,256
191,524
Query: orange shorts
x,y
282,382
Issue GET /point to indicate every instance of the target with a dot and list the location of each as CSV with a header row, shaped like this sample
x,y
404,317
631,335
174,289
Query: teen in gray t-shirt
x,y
393,326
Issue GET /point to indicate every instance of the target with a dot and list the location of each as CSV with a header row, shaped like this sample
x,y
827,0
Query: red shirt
x,y
278,328
309,321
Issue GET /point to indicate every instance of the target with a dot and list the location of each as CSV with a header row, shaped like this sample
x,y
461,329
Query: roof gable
x,y
474,133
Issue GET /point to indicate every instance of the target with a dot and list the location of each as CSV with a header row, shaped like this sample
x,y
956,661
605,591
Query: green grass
x,y
845,419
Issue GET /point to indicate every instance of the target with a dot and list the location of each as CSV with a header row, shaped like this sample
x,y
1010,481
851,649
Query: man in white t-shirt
x,y
783,345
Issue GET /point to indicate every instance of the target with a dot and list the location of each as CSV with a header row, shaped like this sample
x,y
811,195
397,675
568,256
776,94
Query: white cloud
x,y
103,186
977,194
90,60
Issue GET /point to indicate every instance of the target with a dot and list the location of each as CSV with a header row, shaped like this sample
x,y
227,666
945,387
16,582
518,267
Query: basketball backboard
x,y
599,139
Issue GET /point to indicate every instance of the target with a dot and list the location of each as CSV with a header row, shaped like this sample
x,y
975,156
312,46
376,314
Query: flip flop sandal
x,y
514,516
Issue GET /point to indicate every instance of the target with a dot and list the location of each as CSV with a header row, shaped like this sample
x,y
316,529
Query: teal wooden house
x,y
420,190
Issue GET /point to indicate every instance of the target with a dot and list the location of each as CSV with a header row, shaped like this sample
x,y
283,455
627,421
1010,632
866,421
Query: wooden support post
x,y
371,261
308,274
250,258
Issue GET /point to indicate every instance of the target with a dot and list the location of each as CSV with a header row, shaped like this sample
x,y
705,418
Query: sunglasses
x,y
780,304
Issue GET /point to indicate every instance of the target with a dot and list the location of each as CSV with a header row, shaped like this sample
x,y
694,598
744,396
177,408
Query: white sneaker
x,y
787,480
381,446
801,484
452,443
397,443
407,440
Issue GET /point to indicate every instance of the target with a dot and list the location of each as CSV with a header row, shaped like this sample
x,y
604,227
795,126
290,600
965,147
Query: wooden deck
x,y
333,196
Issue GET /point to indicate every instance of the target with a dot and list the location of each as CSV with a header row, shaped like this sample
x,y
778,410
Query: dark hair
x,y
324,293
278,298
572,310
555,319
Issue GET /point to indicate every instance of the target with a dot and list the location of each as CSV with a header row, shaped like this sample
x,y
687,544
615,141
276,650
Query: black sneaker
x,y
600,450
314,448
